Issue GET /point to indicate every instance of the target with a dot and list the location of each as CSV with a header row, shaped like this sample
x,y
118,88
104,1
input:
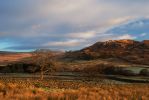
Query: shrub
x,y
144,72
100,68
119,71
127,73
112,70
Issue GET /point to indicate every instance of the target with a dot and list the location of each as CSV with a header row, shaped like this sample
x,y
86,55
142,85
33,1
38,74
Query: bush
x,y
144,72
119,71
128,73
108,69
100,68
113,70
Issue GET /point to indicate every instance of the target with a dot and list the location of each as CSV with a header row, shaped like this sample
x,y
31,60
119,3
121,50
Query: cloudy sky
x,y
70,24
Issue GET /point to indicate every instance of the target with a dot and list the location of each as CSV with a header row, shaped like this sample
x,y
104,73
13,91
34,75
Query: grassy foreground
x,y
25,89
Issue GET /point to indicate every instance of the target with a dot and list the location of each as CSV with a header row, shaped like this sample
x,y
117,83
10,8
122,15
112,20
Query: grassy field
x,y
33,89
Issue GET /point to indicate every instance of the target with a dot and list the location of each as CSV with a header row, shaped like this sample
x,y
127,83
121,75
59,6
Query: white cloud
x,y
126,36
143,34
82,35
120,20
34,27
67,43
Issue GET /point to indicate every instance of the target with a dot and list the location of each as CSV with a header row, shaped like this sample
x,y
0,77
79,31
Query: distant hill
x,y
7,57
6,52
20,62
128,50
11,52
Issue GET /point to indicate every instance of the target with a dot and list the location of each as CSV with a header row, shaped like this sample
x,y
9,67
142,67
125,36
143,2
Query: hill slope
x,y
128,50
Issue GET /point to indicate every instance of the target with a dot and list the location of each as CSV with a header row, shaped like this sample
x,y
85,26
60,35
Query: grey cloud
x,y
30,24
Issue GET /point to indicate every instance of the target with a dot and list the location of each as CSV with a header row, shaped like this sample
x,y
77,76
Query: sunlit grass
x,y
73,90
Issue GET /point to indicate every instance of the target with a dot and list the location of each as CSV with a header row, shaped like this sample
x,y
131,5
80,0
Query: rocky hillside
x,y
128,50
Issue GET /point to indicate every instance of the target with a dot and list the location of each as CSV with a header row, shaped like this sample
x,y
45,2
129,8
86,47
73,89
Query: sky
x,y
70,24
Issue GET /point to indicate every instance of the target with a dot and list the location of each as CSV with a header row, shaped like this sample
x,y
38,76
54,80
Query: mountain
x,y
128,50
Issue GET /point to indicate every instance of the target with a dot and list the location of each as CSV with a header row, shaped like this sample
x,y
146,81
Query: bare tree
x,y
43,59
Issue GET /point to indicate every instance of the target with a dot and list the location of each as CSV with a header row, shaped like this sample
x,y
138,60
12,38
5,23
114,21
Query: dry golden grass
x,y
22,89
14,57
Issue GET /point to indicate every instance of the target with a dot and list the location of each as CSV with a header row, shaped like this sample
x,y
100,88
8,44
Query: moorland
x,y
111,70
